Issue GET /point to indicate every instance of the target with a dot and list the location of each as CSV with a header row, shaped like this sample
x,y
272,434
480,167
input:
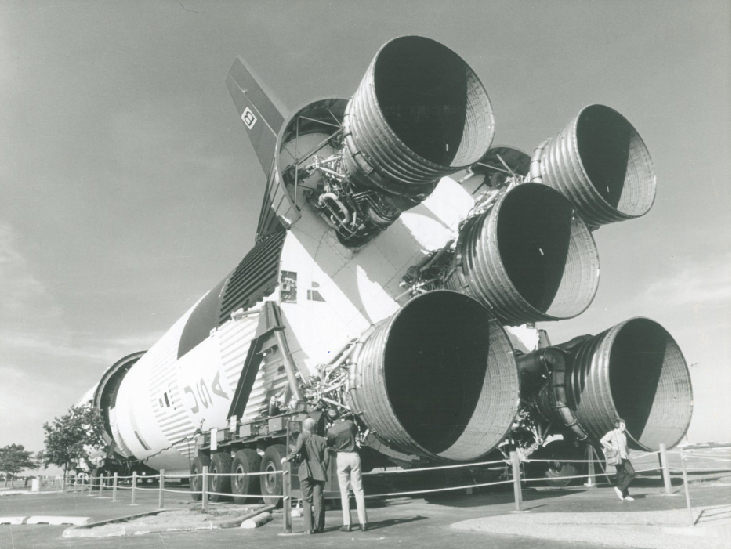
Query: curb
x,y
44,519
13,520
86,530
28,492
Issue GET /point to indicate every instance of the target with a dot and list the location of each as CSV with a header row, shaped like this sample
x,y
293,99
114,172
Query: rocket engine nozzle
x,y
438,379
420,113
634,371
528,258
601,164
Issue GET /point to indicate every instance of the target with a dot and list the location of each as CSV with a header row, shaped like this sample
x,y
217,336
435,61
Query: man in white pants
x,y
341,439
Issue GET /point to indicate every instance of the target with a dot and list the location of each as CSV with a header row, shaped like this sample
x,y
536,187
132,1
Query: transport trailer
x,y
232,454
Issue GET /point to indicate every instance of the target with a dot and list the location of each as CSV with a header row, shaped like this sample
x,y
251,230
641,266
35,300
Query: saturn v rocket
x,y
404,260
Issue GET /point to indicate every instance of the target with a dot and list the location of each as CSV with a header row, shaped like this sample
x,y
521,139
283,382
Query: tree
x,y
13,459
71,437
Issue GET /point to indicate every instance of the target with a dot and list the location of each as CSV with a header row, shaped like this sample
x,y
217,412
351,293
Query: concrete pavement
x,y
555,519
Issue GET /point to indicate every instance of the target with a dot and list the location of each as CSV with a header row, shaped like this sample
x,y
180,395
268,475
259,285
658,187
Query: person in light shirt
x,y
615,444
341,438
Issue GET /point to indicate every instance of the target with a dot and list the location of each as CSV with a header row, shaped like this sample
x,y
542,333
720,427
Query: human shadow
x,y
377,525
494,496
393,522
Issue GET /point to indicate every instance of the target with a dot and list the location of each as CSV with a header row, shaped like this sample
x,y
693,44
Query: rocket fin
x,y
258,111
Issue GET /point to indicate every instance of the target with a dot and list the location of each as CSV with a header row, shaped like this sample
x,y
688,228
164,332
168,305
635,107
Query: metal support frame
x,y
289,365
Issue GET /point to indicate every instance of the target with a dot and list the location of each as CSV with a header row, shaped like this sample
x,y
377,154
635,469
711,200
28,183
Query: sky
x,y
128,187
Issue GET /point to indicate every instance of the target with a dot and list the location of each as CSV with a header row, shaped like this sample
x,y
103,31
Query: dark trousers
x,y
625,474
314,504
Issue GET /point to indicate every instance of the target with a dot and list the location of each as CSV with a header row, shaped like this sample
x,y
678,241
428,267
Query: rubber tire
x,y
555,477
98,471
95,481
271,484
196,481
219,481
246,461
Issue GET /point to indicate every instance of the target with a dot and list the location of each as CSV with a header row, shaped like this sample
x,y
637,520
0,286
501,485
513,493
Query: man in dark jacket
x,y
314,459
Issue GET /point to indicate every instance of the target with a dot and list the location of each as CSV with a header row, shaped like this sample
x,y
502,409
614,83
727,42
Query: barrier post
x,y
91,486
515,459
685,485
665,469
134,487
114,486
287,493
204,489
161,496
101,484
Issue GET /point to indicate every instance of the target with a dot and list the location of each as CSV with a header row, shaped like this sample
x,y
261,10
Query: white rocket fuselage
x,y
339,294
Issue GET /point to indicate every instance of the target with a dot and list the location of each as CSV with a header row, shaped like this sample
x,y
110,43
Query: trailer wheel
x,y
271,482
196,480
558,471
96,481
246,461
219,482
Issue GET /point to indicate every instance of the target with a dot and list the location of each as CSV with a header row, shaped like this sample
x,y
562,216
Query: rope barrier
x,y
244,495
237,474
502,466
714,469
561,461
417,469
571,477
416,492
645,454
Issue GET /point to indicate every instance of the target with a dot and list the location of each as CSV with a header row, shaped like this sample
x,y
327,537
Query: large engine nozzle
x,y
601,164
437,379
529,258
634,371
420,113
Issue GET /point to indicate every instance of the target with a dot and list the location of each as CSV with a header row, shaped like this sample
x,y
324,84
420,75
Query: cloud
x,y
107,350
9,374
19,288
695,284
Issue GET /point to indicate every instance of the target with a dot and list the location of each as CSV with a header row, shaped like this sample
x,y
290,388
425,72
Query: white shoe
x,y
629,498
619,493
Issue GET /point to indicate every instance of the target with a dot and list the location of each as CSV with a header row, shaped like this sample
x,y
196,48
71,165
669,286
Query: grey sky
x,y
128,188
